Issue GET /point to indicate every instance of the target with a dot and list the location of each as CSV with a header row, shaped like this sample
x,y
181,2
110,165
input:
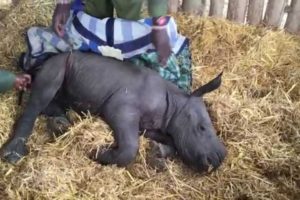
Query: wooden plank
x,y
237,10
173,6
293,19
194,6
216,8
274,12
255,11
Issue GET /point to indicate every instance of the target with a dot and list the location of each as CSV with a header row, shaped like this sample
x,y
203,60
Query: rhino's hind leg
x,y
126,135
159,137
44,89
15,148
54,109
57,120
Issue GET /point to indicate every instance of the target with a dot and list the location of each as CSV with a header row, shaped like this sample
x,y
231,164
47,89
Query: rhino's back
x,y
108,71
94,80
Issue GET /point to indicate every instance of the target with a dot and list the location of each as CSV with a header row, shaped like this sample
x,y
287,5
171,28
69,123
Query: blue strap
x,y
134,44
184,44
110,32
86,33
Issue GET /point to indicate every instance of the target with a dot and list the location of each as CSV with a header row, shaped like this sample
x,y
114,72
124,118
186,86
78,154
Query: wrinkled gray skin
x,y
127,97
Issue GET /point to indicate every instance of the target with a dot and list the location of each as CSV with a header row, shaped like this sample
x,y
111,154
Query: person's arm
x,y
61,15
158,10
7,81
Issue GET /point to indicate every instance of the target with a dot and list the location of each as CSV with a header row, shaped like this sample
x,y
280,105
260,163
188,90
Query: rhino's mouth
x,y
215,160
204,162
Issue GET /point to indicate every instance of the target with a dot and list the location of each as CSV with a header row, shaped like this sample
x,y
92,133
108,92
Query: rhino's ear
x,y
208,87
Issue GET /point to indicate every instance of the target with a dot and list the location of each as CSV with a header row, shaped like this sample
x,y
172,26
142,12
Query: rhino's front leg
x,y
160,137
161,148
125,125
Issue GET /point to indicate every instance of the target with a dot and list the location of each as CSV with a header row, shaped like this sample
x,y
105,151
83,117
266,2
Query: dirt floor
x,y
256,113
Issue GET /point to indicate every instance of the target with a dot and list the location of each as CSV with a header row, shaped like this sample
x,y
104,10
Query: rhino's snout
x,y
214,159
205,157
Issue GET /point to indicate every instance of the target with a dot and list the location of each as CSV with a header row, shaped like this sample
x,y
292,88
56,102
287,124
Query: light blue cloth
x,y
87,33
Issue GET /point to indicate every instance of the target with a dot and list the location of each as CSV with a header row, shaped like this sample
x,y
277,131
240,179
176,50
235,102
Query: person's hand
x,y
160,40
60,17
22,82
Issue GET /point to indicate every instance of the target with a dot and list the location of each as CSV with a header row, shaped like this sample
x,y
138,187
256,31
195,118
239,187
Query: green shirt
x,y
157,8
7,80
126,9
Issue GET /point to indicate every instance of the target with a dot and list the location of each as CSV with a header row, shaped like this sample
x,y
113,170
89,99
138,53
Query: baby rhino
x,y
129,99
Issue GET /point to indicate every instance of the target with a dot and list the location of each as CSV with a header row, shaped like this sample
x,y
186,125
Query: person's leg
x,y
99,8
129,9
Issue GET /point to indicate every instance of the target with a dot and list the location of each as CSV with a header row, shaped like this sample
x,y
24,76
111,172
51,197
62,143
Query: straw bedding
x,y
256,113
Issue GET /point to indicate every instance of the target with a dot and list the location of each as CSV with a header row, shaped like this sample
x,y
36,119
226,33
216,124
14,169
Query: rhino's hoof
x,y
105,157
12,157
58,125
158,164
162,150
101,155
14,151
113,156
158,154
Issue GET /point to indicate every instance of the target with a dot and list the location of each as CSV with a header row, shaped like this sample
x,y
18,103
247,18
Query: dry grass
x,y
256,112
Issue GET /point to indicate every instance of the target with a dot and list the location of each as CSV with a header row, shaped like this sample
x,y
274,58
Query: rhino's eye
x,y
201,128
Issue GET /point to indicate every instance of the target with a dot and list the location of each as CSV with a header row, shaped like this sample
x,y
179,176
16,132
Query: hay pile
x,y
256,113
